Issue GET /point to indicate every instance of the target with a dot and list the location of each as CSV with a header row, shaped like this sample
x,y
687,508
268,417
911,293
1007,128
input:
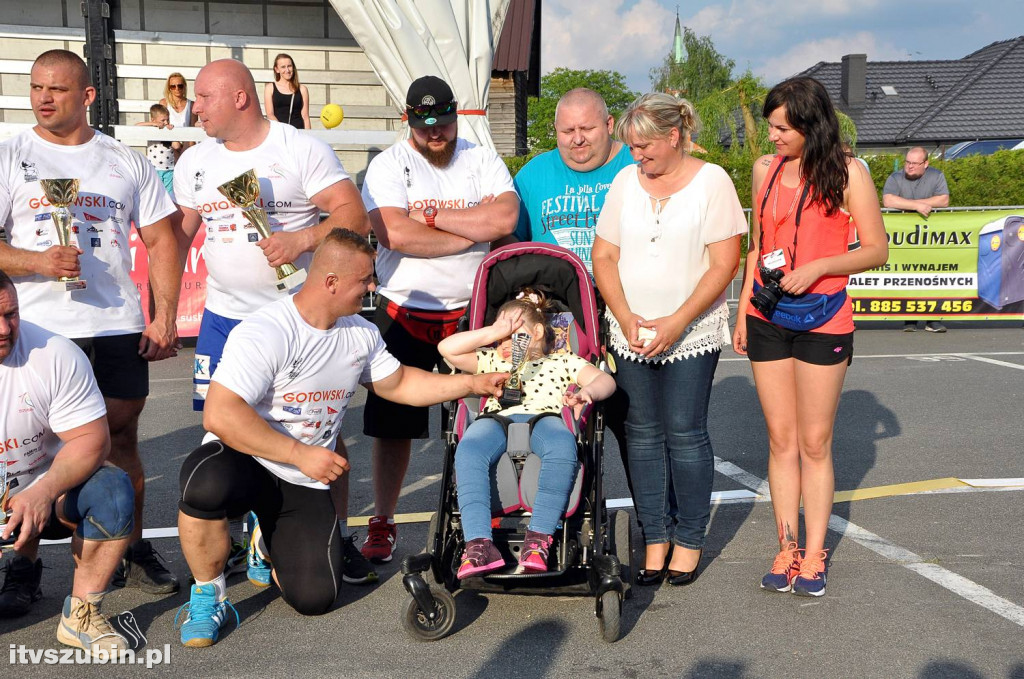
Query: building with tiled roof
x,y
935,104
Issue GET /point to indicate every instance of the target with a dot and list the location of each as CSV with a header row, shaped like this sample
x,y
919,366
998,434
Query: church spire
x,y
678,51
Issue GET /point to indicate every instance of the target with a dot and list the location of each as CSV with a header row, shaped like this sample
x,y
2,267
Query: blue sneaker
x,y
811,580
784,569
258,569
204,616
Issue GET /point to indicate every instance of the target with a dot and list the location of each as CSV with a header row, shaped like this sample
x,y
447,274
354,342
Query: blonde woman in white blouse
x,y
667,246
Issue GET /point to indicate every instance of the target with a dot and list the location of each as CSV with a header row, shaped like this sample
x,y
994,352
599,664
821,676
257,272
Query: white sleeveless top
x,y
180,119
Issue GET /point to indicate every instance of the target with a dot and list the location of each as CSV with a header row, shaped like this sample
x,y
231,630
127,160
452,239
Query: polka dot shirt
x,y
545,380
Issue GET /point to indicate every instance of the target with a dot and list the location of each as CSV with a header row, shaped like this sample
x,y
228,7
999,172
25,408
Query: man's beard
x,y
440,158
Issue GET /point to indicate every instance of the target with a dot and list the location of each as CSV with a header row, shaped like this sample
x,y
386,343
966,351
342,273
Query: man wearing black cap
x,y
436,202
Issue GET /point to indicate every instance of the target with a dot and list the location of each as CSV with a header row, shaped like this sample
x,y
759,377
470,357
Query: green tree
x,y
704,72
726,105
540,112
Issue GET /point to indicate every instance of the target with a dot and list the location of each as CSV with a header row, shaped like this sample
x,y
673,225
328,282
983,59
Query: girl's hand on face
x,y
507,323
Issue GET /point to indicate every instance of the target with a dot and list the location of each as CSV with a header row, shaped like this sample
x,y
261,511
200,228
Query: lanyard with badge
x,y
776,259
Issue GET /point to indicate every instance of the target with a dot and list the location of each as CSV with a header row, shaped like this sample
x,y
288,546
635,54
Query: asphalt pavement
x,y
922,584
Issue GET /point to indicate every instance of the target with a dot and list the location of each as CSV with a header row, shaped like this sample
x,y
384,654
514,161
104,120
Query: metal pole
x,y
99,55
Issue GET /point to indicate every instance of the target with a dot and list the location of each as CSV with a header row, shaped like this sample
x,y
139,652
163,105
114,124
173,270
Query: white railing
x,y
137,135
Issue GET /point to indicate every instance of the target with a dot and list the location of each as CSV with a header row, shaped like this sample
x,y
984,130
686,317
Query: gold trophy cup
x,y
244,191
4,514
512,393
61,193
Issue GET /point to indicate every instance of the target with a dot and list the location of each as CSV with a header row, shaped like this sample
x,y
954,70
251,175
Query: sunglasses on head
x,y
424,111
177,86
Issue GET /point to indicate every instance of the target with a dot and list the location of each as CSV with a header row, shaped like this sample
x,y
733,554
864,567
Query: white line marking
x,y
976,357
957,584
982,359
719,497
722,497
758,485
411,488
993,483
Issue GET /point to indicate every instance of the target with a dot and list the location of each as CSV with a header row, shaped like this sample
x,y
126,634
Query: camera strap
x,y
799,212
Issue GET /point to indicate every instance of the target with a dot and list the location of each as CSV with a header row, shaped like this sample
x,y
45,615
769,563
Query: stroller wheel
x,y
418,623
609,616
622,547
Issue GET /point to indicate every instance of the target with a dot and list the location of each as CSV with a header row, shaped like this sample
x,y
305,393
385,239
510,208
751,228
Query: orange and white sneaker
x,y
784,569
811,579
381,537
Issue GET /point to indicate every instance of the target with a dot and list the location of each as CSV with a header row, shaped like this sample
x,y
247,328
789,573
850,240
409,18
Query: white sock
x,y
391,521
220,586
343,527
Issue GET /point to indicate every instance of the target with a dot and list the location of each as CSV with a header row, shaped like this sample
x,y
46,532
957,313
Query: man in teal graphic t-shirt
x,y
563,190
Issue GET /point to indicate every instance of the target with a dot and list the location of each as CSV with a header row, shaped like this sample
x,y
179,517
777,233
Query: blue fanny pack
x,y
807,311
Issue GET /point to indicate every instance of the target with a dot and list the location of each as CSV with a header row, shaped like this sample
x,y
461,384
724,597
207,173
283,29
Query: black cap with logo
x,y
430,102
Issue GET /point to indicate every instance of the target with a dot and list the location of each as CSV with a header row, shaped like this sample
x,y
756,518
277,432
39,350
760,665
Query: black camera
x,y
766,299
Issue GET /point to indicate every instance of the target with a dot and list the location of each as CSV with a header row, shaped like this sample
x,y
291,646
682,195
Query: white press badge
x,y
774,260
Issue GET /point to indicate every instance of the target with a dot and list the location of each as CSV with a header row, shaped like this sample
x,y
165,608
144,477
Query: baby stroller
x,y
592,550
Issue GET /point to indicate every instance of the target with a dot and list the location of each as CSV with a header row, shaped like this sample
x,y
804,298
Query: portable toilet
x,y
1001,262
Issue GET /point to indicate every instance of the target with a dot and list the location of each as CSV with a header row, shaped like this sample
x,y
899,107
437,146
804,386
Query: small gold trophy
x,y
62,193
512,393
244,191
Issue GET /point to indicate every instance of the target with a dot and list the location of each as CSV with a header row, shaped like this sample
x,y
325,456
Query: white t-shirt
x,y
663,253
401,177
299,378
117,187
48,387
292,168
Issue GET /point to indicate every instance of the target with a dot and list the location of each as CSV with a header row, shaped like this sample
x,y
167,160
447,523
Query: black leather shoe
x,y
143,567
682,578
646,578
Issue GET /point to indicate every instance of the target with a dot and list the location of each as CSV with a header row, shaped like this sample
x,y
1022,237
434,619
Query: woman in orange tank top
x,y
805,200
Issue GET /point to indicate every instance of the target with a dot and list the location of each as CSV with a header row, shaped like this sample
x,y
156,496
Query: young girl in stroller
x,y
546,381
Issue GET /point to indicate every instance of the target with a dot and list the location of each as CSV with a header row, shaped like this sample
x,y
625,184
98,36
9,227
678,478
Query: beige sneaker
x,y
82,625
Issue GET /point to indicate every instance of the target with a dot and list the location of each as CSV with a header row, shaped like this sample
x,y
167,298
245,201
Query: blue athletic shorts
x,y
213,333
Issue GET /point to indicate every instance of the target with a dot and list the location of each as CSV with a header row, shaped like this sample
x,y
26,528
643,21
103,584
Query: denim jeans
x,y
669,449
478,451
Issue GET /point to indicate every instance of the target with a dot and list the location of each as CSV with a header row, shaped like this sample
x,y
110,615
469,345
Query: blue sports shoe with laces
x,y
204,616
784,570
811,580
258,569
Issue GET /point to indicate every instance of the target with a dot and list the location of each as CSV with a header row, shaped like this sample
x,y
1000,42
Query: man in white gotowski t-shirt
x,y
276,404
53,483
436,202
117,188
299,177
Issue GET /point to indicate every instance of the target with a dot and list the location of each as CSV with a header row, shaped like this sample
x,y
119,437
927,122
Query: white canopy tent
x,y
452,39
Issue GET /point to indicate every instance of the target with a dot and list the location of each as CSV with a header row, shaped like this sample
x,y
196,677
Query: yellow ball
x,y
331,115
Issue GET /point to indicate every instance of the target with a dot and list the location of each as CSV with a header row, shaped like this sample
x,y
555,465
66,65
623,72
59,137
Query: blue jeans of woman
x,y
478,451
669,449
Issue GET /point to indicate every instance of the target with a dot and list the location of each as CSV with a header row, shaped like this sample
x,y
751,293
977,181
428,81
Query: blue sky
x,y
774,38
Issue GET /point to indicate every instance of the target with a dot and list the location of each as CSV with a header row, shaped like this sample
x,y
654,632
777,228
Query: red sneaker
x,y
380,540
